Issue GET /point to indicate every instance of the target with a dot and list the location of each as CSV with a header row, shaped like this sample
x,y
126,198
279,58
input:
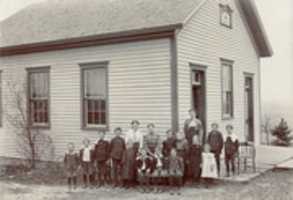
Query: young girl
x,y
182,151
71,164
195,158
86,158
176,171
209,166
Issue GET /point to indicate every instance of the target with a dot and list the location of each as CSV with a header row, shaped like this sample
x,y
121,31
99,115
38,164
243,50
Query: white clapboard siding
x,y
139,88
204,41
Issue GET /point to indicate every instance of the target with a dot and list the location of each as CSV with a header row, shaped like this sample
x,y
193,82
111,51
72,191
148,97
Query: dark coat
x,y
231,147
71,161
195,159
117,148
216,142
102,151
168,145
192,131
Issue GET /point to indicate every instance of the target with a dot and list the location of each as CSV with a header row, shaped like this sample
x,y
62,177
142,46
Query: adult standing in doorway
x,y
192,127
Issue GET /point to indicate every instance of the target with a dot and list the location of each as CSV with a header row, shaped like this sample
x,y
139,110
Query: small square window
x,y
226,16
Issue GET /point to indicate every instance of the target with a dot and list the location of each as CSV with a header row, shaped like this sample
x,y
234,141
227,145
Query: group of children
x,y
173,162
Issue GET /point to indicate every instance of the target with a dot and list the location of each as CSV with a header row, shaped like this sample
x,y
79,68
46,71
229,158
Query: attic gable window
x,y
226,14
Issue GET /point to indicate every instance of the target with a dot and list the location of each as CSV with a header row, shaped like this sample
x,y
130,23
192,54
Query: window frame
x,y
30,71
84,124
1,98
225,63
229,10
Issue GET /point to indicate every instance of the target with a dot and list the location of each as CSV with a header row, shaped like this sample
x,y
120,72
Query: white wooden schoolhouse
x,y
93,65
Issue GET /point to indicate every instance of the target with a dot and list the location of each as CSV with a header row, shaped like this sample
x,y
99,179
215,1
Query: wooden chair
x,y
246,156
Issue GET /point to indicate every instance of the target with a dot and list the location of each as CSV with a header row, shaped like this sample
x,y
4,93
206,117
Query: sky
x,y
277,72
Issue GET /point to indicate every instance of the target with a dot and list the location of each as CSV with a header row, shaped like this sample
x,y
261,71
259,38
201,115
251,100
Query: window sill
x,y
39,126
95,128
227,118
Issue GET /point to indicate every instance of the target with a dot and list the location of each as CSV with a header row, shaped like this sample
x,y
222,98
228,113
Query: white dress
x,y
209,166
134,137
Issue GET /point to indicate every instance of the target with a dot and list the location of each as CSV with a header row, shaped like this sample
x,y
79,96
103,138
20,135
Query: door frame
x,y
249,75
203,68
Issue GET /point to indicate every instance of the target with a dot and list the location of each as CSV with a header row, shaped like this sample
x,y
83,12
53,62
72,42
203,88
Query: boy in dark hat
x,y
117,148
216,142
102,156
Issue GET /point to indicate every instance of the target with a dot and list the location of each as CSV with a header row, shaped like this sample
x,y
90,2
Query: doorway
x,y
198,82
249,108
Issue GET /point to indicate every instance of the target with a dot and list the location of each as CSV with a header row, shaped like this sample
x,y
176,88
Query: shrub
x,y
282,133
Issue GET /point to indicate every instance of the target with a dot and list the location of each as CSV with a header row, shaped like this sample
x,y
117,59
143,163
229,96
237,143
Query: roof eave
x,y
109,38
257,28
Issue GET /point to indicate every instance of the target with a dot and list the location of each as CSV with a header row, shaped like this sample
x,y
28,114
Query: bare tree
x,y
32,143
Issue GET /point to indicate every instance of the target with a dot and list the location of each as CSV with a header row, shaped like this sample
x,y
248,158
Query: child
x,y
143,163
117,148
151,146
169,143
182,151
102,156
216,142
86,158
231,150
209,166
195,153
71,163
128,163
175,171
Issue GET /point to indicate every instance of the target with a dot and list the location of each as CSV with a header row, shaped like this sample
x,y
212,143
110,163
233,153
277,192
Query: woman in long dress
x,y
192,127
134,142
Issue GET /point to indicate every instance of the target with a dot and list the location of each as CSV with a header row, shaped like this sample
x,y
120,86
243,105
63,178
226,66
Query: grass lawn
x,y
274,185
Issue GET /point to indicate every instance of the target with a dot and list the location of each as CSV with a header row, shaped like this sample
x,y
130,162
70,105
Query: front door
x,y
249,109
199,96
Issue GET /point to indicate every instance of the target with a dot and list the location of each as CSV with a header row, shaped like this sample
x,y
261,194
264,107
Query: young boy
x,y
117,148
176,171
102,156
71,164
86,158
169,143
216,142
195,158
209,166
231,149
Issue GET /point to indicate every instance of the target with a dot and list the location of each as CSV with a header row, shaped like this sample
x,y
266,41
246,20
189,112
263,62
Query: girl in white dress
x,y
209,166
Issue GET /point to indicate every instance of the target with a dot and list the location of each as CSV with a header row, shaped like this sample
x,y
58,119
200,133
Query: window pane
x,y
227,78
227,96
95,96
39,94
95,83
39,85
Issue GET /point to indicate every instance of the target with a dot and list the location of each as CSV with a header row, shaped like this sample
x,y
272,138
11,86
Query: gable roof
x,y
55,22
